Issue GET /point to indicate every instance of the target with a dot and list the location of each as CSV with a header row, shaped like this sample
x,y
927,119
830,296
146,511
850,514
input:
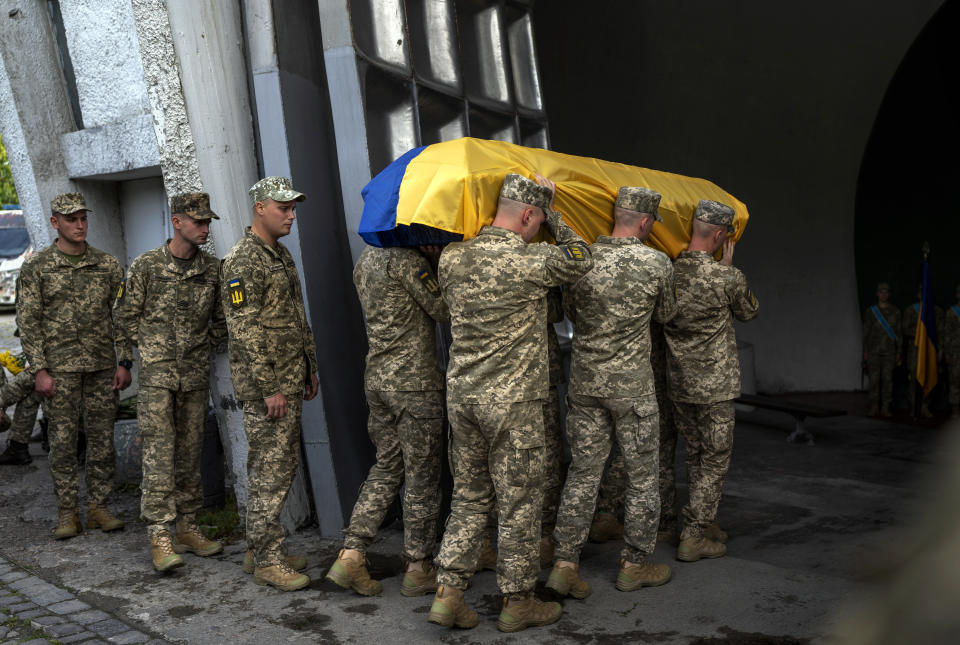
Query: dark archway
x,y
907,191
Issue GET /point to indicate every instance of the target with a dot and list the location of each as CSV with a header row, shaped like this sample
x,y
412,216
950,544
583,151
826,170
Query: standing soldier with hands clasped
x,y
170,309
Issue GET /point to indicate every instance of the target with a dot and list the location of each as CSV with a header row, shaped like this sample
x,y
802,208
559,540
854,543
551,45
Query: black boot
x,y
16,454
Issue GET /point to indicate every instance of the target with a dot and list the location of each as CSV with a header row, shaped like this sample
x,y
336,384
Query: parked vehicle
x,y
15,246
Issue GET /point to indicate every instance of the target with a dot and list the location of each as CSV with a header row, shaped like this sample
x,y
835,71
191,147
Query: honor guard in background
x,y
950,344
703,370
612,393
881,349
65,294
169,308
910,317
20,391
273,362
495,285
401,301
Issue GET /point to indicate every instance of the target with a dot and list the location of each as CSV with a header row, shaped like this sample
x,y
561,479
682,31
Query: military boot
x,y
295,562
634,575
488,555
16,454
187,537
68,524
693,547
605,527
351,573
449,609
164,557
419,581
715,533
98,517
546,551
565,580
280,576
526,610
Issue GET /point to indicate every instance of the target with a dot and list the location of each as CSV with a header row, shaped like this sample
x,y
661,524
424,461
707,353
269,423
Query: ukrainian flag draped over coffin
x,y
448,191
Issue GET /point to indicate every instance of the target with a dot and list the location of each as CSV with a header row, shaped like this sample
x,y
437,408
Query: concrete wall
x,y
774,104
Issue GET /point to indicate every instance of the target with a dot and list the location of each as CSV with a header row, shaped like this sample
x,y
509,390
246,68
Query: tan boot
x,y
546,551
68,524
280,576
565,580
98,517
605,527
634,575
295,562
352,574
488,555
449,609
693,547
419,581
188,537
715,533
164,557
526,610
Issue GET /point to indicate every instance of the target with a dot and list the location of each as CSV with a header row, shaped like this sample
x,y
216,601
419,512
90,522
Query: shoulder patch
x,y
574,253
429,283
753,298
238,297
121,290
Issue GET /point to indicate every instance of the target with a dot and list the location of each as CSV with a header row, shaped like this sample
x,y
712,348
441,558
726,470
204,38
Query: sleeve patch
x,y
121,290
574,253
753,298
238,297
429,283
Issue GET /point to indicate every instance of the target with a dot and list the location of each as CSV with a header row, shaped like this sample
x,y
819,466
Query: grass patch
x,y
221,523
23,629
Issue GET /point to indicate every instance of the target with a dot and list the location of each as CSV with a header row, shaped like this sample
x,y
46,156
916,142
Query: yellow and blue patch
x,y
238,297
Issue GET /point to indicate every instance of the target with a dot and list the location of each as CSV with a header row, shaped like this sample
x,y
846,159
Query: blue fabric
x,y
380,195
883,322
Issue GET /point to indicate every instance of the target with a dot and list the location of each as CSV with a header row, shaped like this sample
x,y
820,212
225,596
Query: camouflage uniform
x,y
173,314
703,375
882,352
64,316
272,351
401,300
668,431
612,391
20,391
495,286
552,426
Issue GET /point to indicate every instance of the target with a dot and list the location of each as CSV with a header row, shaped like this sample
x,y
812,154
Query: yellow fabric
x,y
926,357
13,363
454,186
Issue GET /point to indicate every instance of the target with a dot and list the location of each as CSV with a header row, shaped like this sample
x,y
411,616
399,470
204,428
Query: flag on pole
x,y
925,337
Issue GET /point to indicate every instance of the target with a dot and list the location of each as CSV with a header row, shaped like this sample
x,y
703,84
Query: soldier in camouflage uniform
x,y
552,431
273,362
612,393
495,286
950,348
65,293
170,309
401,302
703,369
19,391
909,319
881,349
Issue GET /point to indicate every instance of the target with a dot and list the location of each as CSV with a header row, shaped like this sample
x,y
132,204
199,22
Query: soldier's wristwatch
x,y
127,364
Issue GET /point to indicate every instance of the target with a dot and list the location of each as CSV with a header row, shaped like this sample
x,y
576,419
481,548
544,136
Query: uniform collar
x,y
86,258
175,267
617,241
703,256
498,231
256,239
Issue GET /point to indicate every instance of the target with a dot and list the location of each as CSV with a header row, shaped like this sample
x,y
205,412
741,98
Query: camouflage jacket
x,y
174,316
401,300
876,340
950,337
554,315
271,346
611,308
702,361
64,310
495,286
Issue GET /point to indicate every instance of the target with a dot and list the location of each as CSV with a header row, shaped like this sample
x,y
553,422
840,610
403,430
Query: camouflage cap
x,y
276,188
193,205
639,199
67,203
714,213
520,189
883,285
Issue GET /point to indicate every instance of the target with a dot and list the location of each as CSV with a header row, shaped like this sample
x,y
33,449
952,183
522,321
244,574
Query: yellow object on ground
x,y
453,186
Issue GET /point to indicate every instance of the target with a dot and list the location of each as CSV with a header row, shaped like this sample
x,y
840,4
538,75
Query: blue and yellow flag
x,y
925,337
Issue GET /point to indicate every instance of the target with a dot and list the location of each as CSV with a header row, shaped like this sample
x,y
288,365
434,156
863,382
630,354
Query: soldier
x,y
951,352
612,393
495,286
65,293
703,369
273,361
170,309
910,318
20,391
401,302
881,349
552,431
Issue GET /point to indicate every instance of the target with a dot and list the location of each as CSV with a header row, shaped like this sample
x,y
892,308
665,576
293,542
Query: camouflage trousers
x,y
20,391
954,374
880,370
496,454
407,429
613,485
592,423
171,428
271,464
92,395
708,432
